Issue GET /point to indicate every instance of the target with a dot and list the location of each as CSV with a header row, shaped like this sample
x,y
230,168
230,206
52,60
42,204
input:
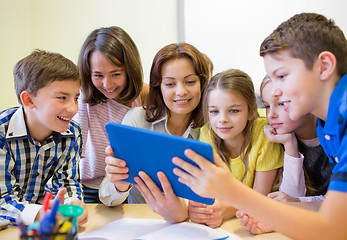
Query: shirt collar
x,y
17,128
189,133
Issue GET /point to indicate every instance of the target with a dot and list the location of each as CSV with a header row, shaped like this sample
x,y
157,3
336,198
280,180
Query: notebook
x,y
153,152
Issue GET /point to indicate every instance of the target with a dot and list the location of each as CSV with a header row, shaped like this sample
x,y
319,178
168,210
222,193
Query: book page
x,y
146,229
189,230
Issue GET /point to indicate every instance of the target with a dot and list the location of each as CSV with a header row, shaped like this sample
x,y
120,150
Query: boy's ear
x,y
27,100
327,62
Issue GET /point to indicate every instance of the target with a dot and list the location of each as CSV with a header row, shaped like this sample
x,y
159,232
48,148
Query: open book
x,y
139,228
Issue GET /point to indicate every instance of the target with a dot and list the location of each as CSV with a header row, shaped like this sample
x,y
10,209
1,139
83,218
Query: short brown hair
x,y
41,68
306,35
119,48
156,107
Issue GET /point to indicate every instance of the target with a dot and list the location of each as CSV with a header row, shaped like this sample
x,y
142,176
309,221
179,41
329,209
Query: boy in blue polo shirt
x,y
38,140
306,59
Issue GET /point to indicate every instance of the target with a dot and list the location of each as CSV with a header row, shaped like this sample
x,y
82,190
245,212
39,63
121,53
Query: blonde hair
x,y
233,80
264,82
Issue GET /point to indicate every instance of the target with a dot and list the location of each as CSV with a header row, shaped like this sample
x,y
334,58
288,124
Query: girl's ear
x,y
327,62
251,116
27,100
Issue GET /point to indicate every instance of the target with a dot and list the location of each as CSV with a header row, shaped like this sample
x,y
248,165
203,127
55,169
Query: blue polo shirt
x,y
332,135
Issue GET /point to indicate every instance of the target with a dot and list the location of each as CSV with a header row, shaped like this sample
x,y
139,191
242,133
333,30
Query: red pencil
x,y
48,197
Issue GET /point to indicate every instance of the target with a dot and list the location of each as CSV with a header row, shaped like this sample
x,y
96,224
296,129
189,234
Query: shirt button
x,y
327,137
336,159
37,174
33,195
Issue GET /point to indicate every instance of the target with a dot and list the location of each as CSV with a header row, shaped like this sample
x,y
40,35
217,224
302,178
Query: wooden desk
x,y
99,215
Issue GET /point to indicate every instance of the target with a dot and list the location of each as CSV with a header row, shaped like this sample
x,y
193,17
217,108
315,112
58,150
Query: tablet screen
x,y
152,151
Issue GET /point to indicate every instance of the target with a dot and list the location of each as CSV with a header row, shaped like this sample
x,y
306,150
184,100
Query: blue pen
x,y
48,223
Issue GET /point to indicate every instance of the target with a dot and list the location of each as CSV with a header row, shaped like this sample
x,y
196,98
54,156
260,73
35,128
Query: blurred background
x,y
229,32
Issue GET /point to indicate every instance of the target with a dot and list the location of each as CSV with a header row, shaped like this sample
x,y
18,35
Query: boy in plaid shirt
x,y
38,140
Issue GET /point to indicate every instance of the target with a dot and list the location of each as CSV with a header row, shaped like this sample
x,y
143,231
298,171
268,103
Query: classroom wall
x,y
230,32
62,26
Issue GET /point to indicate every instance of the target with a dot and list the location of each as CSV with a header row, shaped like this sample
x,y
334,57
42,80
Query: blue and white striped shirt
x,y
26,166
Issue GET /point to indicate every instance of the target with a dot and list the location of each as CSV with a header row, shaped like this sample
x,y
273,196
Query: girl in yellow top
x,y
236,133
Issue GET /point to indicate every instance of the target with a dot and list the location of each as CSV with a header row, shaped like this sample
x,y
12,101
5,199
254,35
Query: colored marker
x,y
64,229
48,197
33,228
48,222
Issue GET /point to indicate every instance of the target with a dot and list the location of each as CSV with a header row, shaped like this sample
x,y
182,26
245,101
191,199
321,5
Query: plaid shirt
x,y
26,166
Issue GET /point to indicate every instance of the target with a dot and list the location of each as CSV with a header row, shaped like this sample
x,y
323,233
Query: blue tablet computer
x,y
153,152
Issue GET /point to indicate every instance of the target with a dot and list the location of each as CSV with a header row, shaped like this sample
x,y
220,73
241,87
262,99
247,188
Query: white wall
x,y
230,32
62,26
15,43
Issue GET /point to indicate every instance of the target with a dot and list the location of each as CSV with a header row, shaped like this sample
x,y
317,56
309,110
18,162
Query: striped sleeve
x,y
11,201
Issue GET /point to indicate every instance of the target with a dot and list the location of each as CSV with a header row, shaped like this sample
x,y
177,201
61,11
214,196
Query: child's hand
x,y
209,180
282,197
272,135
288,140
84,217
60,195
198,212
116,170
211,215
252,225
167,205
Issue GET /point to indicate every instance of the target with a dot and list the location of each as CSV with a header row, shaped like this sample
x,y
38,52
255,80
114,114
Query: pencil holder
x,y
51,227
53,236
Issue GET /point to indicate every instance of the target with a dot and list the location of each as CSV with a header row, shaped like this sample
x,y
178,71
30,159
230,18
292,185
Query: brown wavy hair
x,y
156,107
118,47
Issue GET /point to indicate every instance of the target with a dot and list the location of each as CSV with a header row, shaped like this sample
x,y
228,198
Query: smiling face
x,y
180,86
52,108
277,117
228,115
296,86
108,78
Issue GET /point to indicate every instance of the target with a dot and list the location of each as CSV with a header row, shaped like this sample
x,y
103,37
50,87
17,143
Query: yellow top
x,y
263,156
262,112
